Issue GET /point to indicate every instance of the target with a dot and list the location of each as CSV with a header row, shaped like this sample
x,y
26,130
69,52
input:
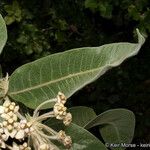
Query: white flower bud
x,y
20,134
10,127
27,130
67,141
12,103
16,109
61,98
6,103
10,120
2,109
6,131
6,110
67,119
31,129
14,117
5,116
23,121
11,107
10,113
25,144
16,124
5,123
44,147
29,124
61,135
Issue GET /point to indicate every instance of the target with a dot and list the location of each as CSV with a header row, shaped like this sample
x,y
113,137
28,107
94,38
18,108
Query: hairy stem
x,y
42,104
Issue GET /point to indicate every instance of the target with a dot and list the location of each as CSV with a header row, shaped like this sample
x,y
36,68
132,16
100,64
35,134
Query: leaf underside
x,y
69,71
81,115
116,126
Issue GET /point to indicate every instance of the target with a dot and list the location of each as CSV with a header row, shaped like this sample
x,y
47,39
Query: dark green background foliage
x,y
40,27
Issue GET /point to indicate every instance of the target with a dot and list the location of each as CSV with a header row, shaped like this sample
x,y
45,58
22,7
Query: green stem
x,y
45,116
42,104
48,129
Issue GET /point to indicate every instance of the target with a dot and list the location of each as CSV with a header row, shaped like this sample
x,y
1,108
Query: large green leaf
x,y
82,115
82,139
67,72
116,126
3,33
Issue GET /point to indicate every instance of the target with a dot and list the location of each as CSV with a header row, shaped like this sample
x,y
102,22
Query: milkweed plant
x,y
46,84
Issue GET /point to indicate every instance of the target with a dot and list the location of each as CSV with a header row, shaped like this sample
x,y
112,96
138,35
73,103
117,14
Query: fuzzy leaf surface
x,y
82,115
116,126
69,71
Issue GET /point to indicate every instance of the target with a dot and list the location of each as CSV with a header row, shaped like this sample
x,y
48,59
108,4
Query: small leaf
x,y
82,115
82,139
3,33
69,71
116,126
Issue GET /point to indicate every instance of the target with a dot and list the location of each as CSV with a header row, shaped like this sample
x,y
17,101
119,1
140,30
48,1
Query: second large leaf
x,y
3,33
67,72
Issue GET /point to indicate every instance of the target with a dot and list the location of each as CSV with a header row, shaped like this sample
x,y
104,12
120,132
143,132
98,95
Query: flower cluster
x,y
9,127
60,109
64,138
29,131
3,137
24,129
9,114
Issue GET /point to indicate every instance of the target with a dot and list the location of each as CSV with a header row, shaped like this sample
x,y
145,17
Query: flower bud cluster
x,y
3,137
9,114
31,128
23,146
66,140
60,111
24,129
11,127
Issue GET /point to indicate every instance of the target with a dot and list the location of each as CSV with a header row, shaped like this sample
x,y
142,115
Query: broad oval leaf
x,y
82,115
82,139
116,126
69,71
3,33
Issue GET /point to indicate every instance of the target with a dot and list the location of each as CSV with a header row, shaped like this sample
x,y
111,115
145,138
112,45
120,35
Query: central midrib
x,y
54,81
73,75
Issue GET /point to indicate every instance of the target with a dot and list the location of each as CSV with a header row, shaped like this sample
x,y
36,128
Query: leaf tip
x,y
141,38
